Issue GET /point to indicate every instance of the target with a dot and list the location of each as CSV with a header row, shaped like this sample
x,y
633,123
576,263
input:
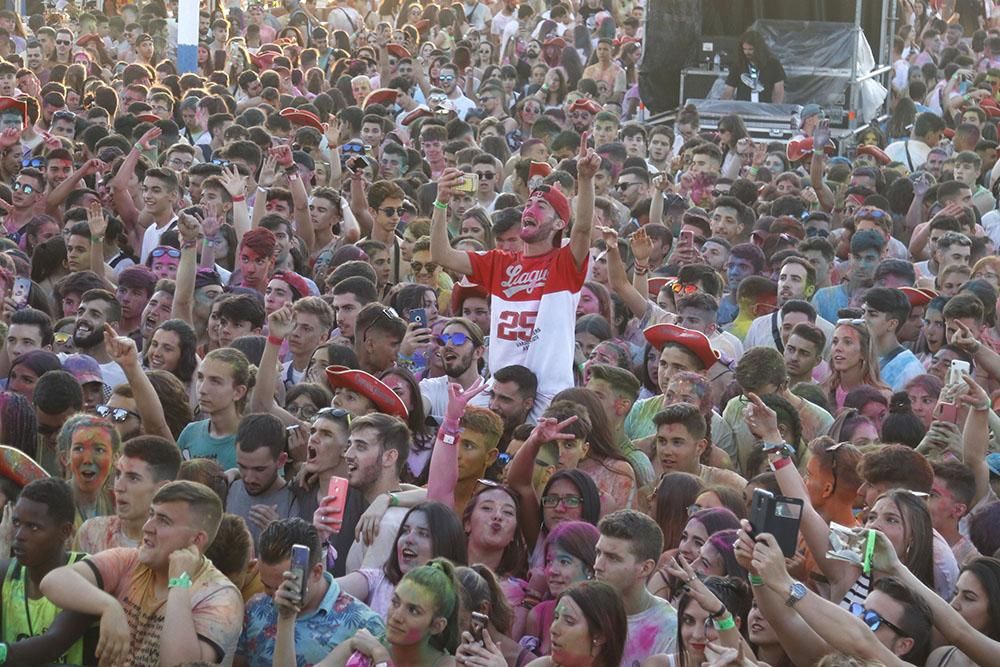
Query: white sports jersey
x,y
532,312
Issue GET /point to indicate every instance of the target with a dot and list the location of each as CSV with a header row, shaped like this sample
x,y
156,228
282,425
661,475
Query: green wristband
x,y
440,205
183,581
755,580
725,623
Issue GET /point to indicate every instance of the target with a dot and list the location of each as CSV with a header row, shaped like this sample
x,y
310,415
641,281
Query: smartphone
x,y
687,237
419,316
477,626
338,490
293,427
300,568
20,292
958,368
777,515
470,183
356,164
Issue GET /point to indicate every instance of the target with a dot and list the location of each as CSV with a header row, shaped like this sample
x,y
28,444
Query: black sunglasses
x,y
334,413
33,162
874,620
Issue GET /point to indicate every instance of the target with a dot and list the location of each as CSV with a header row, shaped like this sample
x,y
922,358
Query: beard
x,y
93,339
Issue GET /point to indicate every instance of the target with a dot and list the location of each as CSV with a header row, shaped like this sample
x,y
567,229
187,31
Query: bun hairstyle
x,y
902,426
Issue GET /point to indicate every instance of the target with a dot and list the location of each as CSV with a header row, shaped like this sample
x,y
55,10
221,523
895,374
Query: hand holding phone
x,y
20,292
329,516
418,316
778,516
300,568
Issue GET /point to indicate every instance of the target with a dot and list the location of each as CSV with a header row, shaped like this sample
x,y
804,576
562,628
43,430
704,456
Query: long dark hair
x,y
674,494
987,571
585,485
605,614
447,538
602,441
417,419
918,556
761,51
187,364
732,592
514,561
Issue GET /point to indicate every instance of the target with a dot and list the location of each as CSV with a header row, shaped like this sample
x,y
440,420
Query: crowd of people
x,y
397,334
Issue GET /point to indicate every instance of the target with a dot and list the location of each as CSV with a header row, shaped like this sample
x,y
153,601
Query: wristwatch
x,y
782,450
796,592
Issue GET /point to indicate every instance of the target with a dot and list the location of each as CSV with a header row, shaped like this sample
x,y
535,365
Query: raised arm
x,y
618,278
975,436
58,195
817,166
98,225
587,164
279,325
123,352
189,230
124,205
443,474
441,250
236,186
838,627
300,198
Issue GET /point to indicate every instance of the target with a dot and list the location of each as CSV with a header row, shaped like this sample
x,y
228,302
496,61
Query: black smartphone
x,y
477,626
777,515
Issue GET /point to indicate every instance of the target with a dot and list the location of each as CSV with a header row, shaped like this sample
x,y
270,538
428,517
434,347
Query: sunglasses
x,y
64,115
116,414
681,288
622,187
334,413
813,232
850,321
221,162
458,338
354,148
26,188
63,42
571,502
34,162
487,175
873,619
385,312
62,338
417,267
170,252
392,212
446,77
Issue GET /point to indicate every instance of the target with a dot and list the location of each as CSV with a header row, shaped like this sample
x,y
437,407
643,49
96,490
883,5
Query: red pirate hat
x,y
918,296
462,291
801,148
381,96
371,387
875,152
302,118
695,342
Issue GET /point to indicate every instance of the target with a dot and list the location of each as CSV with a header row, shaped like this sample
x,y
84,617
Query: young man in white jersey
x,y
533,294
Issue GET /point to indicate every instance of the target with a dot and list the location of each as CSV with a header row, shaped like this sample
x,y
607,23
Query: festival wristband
x,y
726,623
239,198
440,205
183,581
755,580
277,341
780,463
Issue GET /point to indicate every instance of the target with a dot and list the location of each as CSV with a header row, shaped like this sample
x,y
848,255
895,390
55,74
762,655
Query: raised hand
x,y
548,429
921,184
283,155
963,337
145,141
121,349
280,322
9,138
96,221
288,597
609,235
93,166
662,183
821,135
761,420
642,246
268,170
234,184
188,228
587,161
458,398
449,181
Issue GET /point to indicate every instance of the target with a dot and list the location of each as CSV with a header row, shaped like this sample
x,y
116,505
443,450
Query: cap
x,y
302,117
462,291
205,277
696,212
263,59
556,199
367,385
85,369
296,283
695,342
88,38
148,118
555,42
420,112
810,110
18,467
918,296
380,96
9,103
584,104
422,25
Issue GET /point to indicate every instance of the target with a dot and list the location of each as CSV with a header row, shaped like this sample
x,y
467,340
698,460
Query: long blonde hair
x,y
870,374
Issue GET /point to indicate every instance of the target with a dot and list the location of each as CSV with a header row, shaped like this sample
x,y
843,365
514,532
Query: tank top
x,y
23,618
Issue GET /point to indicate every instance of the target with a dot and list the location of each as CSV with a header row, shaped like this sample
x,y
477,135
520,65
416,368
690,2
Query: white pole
x,y
187,36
